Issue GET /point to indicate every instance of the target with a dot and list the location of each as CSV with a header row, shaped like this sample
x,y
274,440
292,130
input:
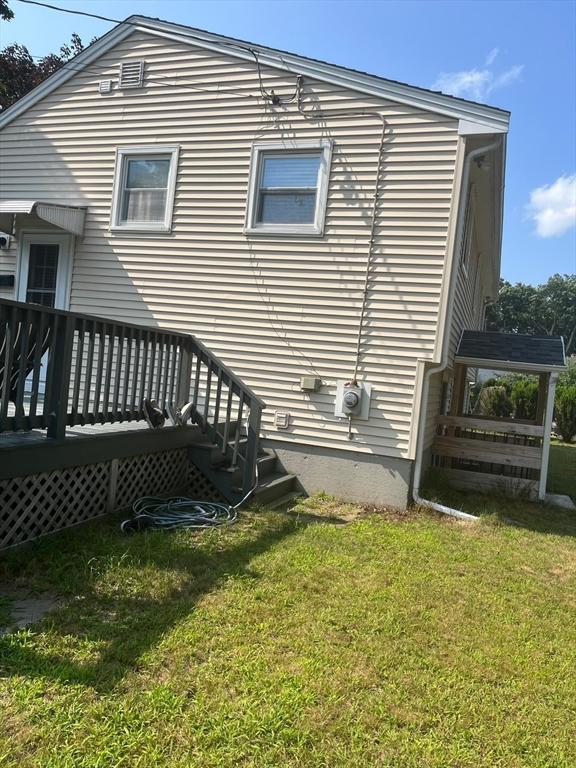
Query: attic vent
x,y
131,74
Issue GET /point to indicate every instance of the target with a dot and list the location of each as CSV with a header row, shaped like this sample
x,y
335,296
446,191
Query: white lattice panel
x,y
34,505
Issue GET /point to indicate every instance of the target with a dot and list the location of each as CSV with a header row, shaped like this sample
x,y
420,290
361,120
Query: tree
x,y
19,73
5,12
545,310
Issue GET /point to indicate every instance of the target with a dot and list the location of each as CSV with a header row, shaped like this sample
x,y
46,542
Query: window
x,y
144,188
42,269
288,188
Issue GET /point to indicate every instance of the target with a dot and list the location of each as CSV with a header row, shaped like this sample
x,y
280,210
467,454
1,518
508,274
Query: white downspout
x,y
444,359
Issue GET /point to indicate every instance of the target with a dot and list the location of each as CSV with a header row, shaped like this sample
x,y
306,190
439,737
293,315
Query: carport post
x,y
553,377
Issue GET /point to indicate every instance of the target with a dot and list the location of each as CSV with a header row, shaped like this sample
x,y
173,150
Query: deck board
x,y
35,436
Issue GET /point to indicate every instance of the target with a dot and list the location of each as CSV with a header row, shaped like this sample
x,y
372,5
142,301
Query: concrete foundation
x,y
360,477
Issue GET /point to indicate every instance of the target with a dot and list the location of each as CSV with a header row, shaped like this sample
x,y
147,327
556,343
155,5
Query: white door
x,y
44,278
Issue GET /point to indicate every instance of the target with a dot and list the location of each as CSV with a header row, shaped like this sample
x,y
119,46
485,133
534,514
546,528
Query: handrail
x,y
61,369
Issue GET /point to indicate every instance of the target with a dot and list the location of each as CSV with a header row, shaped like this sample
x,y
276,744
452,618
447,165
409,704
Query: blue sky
x,y
517,55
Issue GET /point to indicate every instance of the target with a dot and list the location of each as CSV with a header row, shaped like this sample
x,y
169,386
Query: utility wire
x,y
316,117
76,13
267,96
161,81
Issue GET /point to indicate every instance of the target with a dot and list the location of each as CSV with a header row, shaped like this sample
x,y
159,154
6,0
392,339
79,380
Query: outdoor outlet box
x,y
310,383
353,400
281,420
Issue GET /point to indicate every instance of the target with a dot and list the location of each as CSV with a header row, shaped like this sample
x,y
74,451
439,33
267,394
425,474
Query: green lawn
x,y
562,469
400,640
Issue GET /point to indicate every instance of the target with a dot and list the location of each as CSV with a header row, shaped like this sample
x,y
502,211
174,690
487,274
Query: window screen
x,y
288,188
145,189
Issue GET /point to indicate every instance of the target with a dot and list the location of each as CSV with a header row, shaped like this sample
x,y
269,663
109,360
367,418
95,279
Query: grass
x,y
562,470
397,639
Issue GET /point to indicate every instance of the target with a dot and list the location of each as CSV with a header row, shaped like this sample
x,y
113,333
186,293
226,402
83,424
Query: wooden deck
x,y
32,452
38,436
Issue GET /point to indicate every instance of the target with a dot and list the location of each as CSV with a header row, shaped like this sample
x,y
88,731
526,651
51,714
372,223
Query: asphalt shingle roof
x,y
544,351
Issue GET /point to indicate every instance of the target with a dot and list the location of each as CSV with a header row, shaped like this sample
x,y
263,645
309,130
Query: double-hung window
x,y
144,188
288,187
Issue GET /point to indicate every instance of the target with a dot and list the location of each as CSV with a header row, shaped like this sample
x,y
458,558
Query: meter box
x,y
353,400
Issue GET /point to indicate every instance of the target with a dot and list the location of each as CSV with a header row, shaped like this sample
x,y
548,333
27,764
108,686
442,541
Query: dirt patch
x,y
21,607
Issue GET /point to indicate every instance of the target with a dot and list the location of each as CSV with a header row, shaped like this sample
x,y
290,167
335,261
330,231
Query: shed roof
x,y
511,350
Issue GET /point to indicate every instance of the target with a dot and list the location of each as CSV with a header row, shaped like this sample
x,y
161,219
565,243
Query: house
x,y
326,233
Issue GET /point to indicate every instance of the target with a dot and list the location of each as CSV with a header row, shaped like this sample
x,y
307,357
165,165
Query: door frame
x,y
64,273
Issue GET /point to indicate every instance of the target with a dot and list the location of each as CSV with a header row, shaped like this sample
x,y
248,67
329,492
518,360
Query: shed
x,y
500,453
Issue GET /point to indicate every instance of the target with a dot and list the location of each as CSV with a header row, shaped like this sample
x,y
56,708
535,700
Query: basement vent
x,y
131,74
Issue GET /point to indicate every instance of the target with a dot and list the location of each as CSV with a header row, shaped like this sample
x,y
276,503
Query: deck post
x,y
458,390
541,403
184,373
58,373
548,413
252,446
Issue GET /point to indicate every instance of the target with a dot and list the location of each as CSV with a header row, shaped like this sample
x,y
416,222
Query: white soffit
x,y
65,217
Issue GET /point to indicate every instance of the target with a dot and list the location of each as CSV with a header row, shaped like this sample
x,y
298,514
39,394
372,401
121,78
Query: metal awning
x,y
515,351
68,217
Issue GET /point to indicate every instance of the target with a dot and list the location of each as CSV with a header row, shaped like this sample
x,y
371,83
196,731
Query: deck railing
x,y
61,369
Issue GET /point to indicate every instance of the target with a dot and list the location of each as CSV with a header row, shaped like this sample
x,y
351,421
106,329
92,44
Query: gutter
x,y
444,359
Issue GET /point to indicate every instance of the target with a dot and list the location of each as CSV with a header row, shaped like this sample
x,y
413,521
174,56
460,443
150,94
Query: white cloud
x,y
490,59
479,82
553,207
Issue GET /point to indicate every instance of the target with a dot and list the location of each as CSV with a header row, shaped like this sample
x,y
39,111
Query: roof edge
x,y
489,119
506,365
492,119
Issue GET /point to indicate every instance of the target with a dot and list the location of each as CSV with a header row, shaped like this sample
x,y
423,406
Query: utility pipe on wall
x,y
445,346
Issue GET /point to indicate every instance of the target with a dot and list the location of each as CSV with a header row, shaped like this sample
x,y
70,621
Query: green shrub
x,y
565,412
494,401
524,397
568,378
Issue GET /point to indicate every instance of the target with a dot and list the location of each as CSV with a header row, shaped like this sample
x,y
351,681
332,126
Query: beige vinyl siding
x,y
468,310
274,308
432,408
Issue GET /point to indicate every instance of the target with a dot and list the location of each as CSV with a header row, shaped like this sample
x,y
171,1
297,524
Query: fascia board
x,y
492,119
69,69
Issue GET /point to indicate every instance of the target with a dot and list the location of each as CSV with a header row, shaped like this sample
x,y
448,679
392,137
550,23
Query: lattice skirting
x,y
35,505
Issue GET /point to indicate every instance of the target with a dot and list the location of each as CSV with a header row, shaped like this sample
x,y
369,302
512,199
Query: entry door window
x,y
42,274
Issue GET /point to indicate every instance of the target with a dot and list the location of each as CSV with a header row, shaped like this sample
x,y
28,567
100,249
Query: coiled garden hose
x,y
177,512
182,512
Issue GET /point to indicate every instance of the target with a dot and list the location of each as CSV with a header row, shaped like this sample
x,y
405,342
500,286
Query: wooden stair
x,y
275,486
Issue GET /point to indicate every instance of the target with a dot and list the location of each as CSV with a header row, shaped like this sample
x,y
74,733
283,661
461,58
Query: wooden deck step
x,y
274,487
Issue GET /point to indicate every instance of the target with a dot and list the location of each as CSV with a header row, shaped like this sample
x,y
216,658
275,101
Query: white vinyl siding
x,y
273,308
468,311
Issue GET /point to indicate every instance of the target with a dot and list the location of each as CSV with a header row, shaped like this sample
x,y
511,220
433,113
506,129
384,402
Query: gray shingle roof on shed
x,y
541,351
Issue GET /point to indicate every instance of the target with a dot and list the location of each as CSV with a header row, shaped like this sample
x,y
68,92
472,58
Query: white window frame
x,y
64,271
259,149
123,154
